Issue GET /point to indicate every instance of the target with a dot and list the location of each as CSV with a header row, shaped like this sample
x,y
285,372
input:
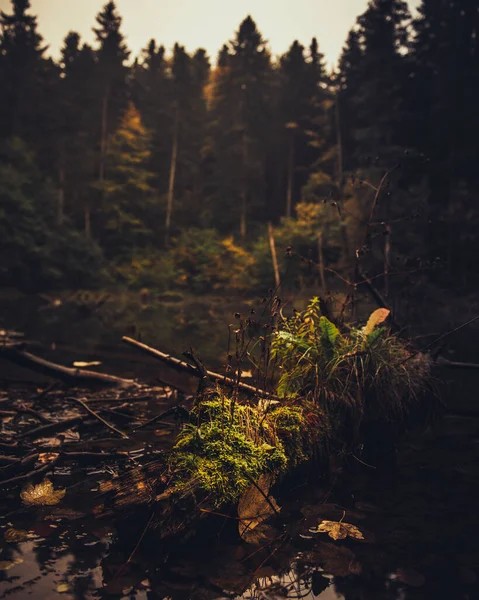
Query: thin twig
x,y
97,416
441,337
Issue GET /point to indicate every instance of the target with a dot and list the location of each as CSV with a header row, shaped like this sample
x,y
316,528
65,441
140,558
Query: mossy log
x,y
336,390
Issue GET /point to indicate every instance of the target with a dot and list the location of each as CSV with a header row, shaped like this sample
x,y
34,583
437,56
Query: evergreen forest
x,y
163,170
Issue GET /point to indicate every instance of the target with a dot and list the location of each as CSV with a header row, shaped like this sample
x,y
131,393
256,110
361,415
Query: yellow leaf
x,y
255,506
377,317
63,588
81,364
338,530
15,535
8,564
46,457
42,494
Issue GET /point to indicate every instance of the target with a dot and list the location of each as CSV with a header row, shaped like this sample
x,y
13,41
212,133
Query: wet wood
x,y
46,430
97,416
70,376
185,367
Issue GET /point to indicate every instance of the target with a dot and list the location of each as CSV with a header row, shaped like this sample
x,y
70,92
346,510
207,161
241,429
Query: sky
x,y
204,23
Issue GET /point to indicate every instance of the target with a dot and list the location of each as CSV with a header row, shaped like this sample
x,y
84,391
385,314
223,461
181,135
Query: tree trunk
x,y
274,258
244,194
289,192
339,142
103,145
87,220
340,167
171,184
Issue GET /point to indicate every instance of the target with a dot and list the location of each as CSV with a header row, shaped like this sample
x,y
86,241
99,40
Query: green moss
x,y
233,444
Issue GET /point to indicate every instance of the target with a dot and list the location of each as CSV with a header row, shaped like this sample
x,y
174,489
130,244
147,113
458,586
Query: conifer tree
x,y
126,216
241,124
112,54
21,72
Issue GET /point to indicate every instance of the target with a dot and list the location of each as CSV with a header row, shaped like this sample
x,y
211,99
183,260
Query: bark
x,y
289,191
70,376
104,129
185,367
172,180
274,258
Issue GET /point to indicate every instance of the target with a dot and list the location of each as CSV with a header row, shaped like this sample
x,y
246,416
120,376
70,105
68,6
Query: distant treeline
x,y
105,159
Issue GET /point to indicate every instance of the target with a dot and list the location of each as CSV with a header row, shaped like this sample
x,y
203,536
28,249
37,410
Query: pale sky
x,y
204,23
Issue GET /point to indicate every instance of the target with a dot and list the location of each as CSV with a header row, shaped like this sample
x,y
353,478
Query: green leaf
x,y
289,338
329,332
375,335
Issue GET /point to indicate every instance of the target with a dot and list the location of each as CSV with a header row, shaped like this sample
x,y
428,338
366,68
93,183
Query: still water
x,y
419,522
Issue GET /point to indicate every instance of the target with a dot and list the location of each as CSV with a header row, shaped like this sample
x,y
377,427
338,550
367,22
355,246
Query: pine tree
x,y
151,91
21,72
126,215
188,112
373,75
241,125
112,54
77,131
294,102
446,87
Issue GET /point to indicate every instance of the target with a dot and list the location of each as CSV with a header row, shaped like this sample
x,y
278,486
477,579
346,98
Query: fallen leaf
x,y
63,588
255,506
42,494
8,564
338,530
46,457
376,318
80,364
15,535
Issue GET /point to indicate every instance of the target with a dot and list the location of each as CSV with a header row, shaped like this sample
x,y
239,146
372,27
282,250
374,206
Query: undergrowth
x,y
330,380
365,371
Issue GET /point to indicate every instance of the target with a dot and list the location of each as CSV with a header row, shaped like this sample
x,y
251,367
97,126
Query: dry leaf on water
x,y
14,536
8,564
42,494
338,530
377,317
256,506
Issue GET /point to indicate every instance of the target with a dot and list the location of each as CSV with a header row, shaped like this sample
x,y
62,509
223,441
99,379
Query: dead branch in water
x,y
185,367
70,376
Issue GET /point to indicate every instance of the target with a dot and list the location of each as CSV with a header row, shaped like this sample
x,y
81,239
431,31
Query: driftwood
x,y
70,376
185,367
443,362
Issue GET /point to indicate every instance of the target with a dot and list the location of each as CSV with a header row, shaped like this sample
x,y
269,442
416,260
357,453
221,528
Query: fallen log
x,y
185,367
71,376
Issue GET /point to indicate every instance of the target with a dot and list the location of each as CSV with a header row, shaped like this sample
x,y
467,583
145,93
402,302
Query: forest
x,y
162,171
